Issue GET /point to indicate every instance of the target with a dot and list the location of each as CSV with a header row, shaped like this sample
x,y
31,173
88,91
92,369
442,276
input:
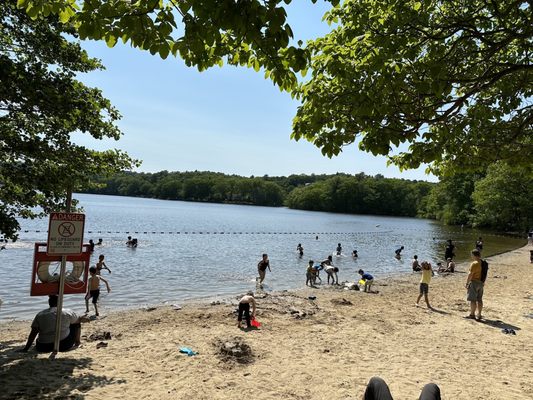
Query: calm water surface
x,y
216,251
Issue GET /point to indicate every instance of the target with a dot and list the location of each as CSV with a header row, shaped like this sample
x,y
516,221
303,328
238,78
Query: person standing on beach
x,y
262,267
475,286
244,309
93,290
427,273
300,249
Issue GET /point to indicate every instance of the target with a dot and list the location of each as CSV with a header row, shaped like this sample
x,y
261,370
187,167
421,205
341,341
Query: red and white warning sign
x,y
65,233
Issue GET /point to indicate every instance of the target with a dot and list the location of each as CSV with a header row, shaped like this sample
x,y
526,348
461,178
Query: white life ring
x,y
72,275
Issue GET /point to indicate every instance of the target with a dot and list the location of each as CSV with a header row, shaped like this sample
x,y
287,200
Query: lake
x,y
200,251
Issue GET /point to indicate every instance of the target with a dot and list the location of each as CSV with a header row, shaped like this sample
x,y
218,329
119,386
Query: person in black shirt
x,y
449,251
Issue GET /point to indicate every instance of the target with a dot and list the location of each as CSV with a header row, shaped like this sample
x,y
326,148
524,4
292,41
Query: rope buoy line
x,y
254,233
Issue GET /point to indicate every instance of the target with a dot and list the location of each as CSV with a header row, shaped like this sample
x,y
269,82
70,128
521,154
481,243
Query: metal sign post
x,y
61,285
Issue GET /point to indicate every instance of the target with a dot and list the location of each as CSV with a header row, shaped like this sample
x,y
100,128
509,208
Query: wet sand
x,y
323,349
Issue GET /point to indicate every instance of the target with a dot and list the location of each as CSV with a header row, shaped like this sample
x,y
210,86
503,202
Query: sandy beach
x,y
323,349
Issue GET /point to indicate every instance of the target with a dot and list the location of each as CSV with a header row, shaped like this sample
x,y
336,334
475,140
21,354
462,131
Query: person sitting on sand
x,y
415,264
310,274
43,328
100,265
377,389
449,267
427,273
339,249
369,280
93,290
244,308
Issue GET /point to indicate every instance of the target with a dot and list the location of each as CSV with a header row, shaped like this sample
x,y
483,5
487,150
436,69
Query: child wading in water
x,y
100,265
93,289
311,274
427,273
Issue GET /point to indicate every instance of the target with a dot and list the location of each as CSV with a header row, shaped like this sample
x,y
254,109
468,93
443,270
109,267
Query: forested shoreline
x,y
497,199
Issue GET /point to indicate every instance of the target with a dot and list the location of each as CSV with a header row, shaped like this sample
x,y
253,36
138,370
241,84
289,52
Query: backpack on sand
x,y
484,270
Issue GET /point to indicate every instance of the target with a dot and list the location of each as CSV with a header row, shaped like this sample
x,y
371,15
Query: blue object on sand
x,y
188,351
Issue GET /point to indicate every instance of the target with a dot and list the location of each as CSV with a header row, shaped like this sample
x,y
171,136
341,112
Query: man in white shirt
x,y
43,328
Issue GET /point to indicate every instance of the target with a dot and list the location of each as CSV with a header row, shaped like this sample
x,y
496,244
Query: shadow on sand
x,y
496,323
34,375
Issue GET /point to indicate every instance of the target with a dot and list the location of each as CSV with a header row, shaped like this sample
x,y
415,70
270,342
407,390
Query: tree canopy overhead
x,y
453,79
203,33
41,105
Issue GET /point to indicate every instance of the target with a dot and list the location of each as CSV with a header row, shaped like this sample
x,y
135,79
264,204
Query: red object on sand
x,y
255,323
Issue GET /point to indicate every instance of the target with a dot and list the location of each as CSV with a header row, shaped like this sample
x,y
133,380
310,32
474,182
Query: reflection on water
x,y
197,250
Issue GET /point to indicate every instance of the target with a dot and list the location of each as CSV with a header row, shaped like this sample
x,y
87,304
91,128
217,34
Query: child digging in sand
x,y
244,308
93,290
427,272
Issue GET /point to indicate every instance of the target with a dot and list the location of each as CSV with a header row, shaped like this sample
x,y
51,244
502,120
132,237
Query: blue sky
x,y
226,119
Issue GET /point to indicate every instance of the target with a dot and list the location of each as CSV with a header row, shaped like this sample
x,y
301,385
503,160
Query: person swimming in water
x,y
339,249
300,249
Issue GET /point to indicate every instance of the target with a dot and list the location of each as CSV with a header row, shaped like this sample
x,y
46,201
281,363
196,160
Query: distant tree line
x,y
495,199
500,198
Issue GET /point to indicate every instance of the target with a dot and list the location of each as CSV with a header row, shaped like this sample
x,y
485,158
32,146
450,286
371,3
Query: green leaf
x,y
111,40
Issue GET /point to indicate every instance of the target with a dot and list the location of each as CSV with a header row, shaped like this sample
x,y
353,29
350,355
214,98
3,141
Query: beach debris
x,y
255,323
529,315
509,331
234,349
296,313
150,308
351,286
186,350
312,297
176,307
100,345
215,303
99,335
341,302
